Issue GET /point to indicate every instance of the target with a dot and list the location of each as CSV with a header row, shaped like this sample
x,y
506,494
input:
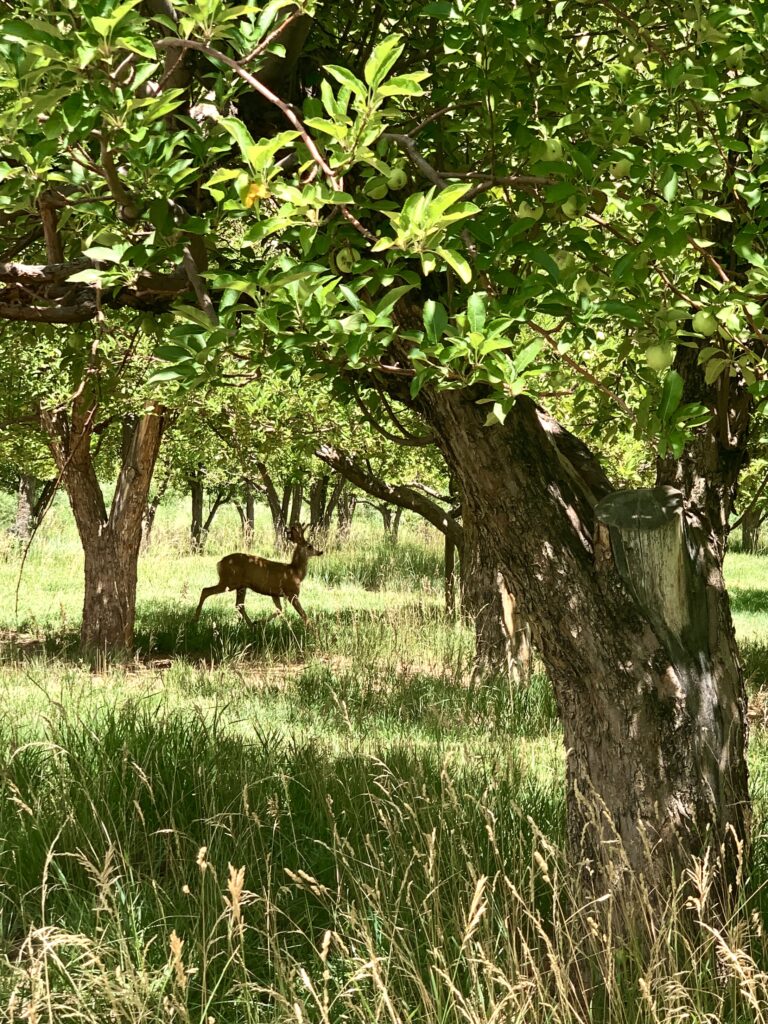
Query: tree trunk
x,y
750,531
111,540
151,511
278,508
332,504
297,500
450,576
502,637
248,522
650,691
197,493
395,531
346,512
25,507
318,496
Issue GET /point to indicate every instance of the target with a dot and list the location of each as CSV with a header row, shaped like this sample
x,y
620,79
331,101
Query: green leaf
x,y
172,353
440,203
165,375
105,254
476,312
671,393
345,77
527,355
403,85
382,60
457,262
435,320
668,183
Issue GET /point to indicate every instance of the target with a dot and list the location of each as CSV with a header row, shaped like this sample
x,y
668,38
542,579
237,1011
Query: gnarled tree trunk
x,y
111,540
651,698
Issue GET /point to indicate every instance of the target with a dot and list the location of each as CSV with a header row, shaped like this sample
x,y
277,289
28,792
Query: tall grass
x,y
324,824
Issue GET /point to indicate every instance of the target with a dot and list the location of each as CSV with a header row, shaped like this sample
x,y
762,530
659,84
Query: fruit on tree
x,y
621,168
704,323
346,259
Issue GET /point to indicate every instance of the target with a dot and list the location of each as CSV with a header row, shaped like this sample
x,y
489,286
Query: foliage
x,y
568,216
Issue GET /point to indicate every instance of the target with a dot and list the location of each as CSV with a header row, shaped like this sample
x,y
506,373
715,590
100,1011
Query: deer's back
x,y
259,574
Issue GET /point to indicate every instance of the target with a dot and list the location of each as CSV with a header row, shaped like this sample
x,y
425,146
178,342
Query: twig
x,y
268,40
583,371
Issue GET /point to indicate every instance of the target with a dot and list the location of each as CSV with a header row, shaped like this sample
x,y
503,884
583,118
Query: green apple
x,y
565,261
582,286
571,207
620,168
704,323
396,179
553,150
526,210
346,259
640,121
659,357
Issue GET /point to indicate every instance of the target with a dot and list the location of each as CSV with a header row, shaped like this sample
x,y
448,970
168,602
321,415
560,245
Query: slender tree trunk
x,y
197,494
332,504
346,512
650,692
450,576
248,522
386,518
297,500
25,507
151,511
278,508
750,531
111,540
318,496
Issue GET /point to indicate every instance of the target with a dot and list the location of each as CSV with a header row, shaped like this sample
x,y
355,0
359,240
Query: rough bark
x,y
502,636
111,539
642,717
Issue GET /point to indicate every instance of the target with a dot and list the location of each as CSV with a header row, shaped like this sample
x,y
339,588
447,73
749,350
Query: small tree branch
x,y
393,494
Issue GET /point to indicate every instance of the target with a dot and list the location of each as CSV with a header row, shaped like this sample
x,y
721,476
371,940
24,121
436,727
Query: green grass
x,y
400,826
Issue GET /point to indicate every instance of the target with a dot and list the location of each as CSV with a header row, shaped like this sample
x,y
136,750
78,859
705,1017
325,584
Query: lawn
x,y
330,823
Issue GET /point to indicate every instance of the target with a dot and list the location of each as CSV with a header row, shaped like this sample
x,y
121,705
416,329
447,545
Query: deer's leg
x,y
240,604
205,594
279,606
295,602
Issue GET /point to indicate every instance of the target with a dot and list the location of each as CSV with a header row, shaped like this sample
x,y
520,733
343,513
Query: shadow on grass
x,y
164,630
749,600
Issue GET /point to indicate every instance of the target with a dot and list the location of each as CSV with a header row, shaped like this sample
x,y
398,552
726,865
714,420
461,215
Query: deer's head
x,y
297,536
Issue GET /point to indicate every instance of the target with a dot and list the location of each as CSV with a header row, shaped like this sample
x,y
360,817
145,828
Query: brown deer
x,y
241,572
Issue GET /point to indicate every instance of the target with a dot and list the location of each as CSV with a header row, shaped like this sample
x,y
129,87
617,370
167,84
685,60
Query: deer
x,y
240,572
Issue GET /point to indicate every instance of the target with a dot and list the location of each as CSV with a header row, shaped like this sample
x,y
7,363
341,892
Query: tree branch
x,y
394,494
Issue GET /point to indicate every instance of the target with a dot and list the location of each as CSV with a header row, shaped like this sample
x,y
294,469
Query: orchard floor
x,y
329,823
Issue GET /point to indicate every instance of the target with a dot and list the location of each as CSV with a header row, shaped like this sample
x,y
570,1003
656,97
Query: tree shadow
x,y
749,600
